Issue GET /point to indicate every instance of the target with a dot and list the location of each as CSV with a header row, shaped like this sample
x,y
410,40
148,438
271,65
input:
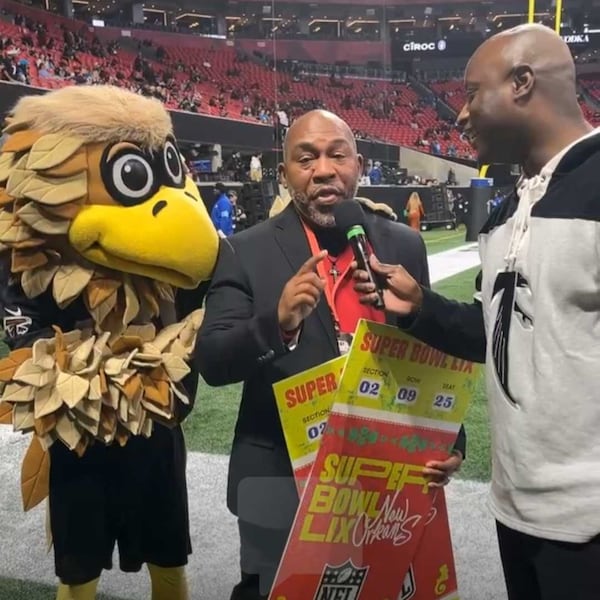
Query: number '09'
x,y
406,395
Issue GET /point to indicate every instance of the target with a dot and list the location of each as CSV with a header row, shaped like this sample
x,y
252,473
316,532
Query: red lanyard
x,y
322,271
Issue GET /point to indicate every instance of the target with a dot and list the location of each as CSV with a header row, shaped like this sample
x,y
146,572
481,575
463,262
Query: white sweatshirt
x,y
540,294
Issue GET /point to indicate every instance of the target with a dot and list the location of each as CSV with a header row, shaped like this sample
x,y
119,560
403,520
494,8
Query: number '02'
x,y
368,387
316,430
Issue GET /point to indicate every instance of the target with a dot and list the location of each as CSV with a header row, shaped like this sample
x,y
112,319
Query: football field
x,y
26,570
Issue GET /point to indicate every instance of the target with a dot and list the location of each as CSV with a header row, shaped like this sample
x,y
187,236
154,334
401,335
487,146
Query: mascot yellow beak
x,y
168,237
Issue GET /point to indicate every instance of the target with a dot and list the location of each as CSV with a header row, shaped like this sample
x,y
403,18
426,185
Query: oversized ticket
x,y
304,402
368,526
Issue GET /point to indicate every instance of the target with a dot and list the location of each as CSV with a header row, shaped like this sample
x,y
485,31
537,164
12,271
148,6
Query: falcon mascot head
x,y
96,208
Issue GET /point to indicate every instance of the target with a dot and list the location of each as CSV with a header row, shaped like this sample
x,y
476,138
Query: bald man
x,y
536,322
282,301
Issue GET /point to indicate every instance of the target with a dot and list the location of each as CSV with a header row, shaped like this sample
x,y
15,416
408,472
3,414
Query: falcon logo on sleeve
x,y
15,323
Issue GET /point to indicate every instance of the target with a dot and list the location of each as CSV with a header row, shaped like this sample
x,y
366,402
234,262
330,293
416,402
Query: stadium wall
x,y
188,127
428,166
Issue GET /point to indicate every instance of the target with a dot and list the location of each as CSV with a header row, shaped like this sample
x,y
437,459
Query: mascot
x,y
99,226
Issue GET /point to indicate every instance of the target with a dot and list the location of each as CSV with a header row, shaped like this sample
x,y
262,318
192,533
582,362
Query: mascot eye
x,y
132,176
173,163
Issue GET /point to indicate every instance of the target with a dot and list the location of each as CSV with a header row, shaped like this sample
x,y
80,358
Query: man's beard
x,y
322,216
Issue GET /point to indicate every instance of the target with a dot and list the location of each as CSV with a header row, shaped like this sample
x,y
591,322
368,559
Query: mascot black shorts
x,y
135,496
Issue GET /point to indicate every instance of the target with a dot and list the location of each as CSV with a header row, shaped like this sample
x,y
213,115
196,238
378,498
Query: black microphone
x,y
350,218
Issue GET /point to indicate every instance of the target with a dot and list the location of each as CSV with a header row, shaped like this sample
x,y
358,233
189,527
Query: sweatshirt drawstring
x,y
521,220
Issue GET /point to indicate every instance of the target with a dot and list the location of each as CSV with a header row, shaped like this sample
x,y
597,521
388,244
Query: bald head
x,y
535,40
315,121
537,48
521,102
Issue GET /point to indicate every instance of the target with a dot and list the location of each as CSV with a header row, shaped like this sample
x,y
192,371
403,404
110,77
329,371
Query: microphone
x,y
350,219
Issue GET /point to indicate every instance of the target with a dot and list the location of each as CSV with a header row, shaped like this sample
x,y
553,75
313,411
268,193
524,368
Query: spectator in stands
x,y
266,320
283,122
222,214
4,75
256,173
535,318
368,97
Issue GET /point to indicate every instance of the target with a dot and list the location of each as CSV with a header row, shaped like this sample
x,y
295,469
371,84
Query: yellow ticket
x,y
304,402
388,370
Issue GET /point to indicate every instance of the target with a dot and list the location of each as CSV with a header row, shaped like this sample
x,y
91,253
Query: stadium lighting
x,y
199,16
514,15
361,22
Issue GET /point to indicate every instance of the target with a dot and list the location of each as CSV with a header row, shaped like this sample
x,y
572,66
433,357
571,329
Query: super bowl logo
x,y
342,581
409,587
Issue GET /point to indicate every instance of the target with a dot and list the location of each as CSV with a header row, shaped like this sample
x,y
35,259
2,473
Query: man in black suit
x,y
267,318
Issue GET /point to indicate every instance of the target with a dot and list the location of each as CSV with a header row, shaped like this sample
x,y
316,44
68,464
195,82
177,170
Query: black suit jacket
x,y
240,341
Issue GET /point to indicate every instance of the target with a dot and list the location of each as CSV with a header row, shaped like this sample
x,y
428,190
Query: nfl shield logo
x,y
409,588
341,581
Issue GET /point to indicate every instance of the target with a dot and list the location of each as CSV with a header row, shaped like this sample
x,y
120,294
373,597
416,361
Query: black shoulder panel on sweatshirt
x,y
574,193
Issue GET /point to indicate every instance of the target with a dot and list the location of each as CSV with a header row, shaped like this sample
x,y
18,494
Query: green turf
x,y
210,426
440,240
477,466
15,589
459,287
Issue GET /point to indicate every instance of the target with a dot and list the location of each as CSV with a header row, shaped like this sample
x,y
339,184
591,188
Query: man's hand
x,y
440,472
402,295
301,294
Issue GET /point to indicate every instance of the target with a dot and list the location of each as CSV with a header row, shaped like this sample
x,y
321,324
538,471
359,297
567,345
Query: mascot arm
x,y
237,337
186,302
23,319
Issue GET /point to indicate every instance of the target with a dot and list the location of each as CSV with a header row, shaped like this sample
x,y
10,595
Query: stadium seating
x,y
592,86
379,110
591,114
452,92
403,120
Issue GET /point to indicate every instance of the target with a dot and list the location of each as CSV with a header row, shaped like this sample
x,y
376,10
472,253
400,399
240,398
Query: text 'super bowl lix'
x,y
358,444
